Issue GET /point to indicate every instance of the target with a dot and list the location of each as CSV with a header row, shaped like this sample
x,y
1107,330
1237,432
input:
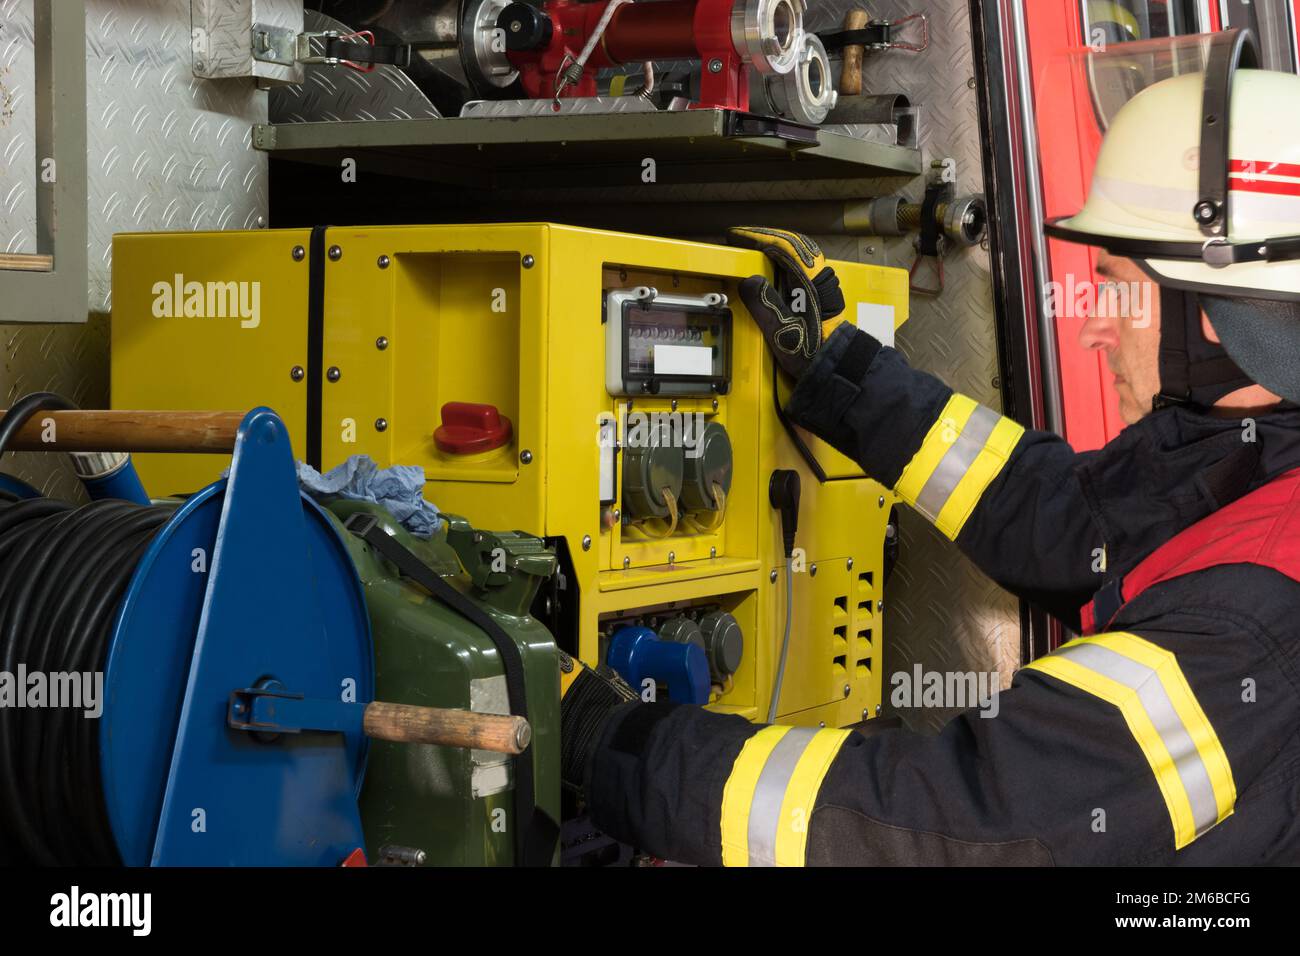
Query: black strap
x,y
1194,372
315,342
876,33
535,839
1106,603
931,228
1228,50
338,48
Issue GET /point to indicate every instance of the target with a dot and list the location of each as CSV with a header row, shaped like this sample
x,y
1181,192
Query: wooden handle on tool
x,y
851,69
102,430
405,723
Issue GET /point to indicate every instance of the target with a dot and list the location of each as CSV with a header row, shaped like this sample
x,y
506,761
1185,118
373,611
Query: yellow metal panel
x,y
213,357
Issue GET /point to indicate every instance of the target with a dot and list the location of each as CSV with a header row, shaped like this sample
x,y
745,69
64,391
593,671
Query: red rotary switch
x,y
469,428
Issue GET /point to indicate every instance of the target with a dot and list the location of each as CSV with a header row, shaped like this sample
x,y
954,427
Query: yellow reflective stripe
x,y
801,796
1150,690
937,442
738,794
987,466
1171,789
1189,710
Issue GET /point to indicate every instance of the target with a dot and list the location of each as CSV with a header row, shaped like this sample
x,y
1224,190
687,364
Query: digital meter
x,y
666,344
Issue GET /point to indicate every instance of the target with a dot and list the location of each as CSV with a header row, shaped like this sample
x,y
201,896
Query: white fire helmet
x,y
1198,179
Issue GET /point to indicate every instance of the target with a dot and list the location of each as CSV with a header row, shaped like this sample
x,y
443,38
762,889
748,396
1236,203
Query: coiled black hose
x,y
63,572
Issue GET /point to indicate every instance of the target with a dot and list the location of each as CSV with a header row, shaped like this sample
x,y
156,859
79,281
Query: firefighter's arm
x,y
1119,748
1008,497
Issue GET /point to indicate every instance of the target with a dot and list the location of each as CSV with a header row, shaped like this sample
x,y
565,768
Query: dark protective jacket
x,y
1171,737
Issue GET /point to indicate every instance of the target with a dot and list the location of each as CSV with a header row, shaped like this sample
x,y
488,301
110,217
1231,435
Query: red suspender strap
x,y
1262,528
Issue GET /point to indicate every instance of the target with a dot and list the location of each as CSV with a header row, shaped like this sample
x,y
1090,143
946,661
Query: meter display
x,y
666,344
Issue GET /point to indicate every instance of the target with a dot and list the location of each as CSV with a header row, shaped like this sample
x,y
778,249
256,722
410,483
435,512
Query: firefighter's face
x,y
1125,324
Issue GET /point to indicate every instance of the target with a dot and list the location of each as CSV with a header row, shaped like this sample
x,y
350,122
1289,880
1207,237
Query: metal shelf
x,y
690,146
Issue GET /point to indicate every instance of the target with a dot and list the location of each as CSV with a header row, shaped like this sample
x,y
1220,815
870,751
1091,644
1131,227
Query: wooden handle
x,y
405,723
851,69
102,430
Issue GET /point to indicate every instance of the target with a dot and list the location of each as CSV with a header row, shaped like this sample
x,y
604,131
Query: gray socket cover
x,y
708,462
682,630
649,468
723,643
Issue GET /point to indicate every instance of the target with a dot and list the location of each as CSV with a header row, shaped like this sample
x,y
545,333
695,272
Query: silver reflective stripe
x,y
769,794
957,461
1160,709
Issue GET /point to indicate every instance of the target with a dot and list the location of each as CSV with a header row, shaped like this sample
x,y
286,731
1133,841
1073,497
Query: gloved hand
x,y
794,329
587,698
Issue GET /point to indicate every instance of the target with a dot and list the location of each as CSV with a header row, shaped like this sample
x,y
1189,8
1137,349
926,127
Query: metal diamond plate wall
x,y
941,611
167,152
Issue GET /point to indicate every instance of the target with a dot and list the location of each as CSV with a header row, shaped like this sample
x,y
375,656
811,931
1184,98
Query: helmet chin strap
x,y
1194,372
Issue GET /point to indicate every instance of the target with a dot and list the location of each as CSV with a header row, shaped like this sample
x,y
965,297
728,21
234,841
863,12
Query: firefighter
x,y
1170,732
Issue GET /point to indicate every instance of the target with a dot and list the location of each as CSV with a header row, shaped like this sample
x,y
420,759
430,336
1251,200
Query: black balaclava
x,y
1194,372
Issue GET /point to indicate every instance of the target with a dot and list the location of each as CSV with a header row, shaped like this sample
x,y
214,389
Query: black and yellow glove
x,y
588,696
794,325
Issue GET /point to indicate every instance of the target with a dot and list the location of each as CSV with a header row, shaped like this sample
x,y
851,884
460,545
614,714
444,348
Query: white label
x,y
608,449
683,360
878,320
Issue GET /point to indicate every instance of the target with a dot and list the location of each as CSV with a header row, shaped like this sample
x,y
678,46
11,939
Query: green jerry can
x,y
447,806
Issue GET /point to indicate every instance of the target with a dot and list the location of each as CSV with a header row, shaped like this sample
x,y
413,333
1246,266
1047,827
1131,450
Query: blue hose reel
x,y
248,587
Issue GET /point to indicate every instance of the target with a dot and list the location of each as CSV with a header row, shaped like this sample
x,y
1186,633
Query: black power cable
x,y
63,573
64,570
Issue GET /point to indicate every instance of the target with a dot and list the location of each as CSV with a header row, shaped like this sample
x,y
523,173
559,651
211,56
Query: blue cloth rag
x,y
400,489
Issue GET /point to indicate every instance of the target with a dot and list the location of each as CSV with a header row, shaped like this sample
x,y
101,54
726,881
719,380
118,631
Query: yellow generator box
x,y
607,392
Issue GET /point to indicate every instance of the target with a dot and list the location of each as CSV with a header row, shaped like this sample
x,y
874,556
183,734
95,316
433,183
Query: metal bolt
x,y
299,253
381,424
384,262
715,66
586,542
713,552
526,457
335,253
871,250
333,373
715,404
880,605
821,724
847,690
850,564
528,262
297,373
812,572
864,713
970,83
618,515
381,343
674,404
672,558
880,502
877,710
772,577
627,563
